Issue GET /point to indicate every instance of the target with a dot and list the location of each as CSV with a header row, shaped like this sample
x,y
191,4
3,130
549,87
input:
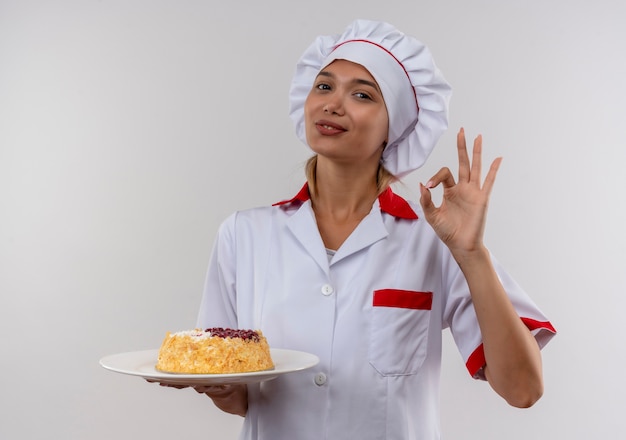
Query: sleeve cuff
x,y
542,330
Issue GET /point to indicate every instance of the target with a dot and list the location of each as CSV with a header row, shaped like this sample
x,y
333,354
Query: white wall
x,y
130,129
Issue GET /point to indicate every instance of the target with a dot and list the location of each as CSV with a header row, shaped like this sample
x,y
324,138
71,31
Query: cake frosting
x,y
214,351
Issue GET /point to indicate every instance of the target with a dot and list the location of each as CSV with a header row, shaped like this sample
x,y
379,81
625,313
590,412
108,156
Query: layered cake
x,y
214,351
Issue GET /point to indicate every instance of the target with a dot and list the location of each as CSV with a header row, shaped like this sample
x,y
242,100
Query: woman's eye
x,y
323,86
362,95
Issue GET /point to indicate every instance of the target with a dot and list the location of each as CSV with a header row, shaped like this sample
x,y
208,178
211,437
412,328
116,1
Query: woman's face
x,y
345,114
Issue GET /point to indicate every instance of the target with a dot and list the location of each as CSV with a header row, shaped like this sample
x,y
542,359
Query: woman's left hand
x,y
460,219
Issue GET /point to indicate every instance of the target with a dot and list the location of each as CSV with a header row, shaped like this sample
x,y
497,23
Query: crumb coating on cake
x,y
214,351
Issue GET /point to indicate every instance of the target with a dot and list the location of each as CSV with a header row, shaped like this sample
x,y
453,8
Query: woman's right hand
x,y
232,399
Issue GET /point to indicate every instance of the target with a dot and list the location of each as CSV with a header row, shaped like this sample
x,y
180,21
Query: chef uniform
x,y
373,311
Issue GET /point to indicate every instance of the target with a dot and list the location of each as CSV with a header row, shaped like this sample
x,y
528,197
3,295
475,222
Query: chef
x,y
367,281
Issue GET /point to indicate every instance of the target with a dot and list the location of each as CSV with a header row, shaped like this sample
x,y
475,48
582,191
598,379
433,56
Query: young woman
x,y
362,278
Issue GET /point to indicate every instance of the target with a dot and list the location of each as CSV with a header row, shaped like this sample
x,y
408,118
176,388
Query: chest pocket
x,y
399,330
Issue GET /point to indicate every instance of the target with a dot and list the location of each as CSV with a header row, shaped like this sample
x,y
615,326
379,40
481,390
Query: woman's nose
x,y
333,105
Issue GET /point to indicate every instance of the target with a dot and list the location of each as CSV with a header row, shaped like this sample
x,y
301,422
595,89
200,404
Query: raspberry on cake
x,y
214,351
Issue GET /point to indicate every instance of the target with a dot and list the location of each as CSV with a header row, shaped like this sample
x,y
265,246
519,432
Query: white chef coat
x,y
373,313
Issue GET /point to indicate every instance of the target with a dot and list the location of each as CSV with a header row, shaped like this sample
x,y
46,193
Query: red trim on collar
x,y
302,196
390,203
395,205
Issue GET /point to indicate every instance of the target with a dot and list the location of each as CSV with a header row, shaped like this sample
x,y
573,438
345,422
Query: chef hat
x,y
415,92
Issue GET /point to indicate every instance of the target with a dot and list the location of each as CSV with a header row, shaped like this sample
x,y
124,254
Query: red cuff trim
x,y
476,360
404,299
533,324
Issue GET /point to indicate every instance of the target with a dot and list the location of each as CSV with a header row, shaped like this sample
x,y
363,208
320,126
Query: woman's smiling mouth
x,y
328,128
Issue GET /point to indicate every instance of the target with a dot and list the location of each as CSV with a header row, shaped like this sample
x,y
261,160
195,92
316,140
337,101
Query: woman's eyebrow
x,y
355,80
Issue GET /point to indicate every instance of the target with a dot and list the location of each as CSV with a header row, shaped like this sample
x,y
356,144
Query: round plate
x,y
141,363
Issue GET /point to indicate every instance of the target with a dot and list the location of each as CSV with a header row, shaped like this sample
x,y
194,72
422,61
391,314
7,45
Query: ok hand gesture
x,y
460,219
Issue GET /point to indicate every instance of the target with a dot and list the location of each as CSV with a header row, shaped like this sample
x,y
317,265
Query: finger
x,y
464,164
443,176
477,152
166,384
213,390
172,385
490,179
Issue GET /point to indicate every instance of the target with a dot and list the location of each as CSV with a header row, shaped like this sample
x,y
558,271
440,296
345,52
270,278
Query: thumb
x,y
426,201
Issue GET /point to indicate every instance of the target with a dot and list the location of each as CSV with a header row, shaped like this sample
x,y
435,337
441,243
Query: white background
x,y
130,129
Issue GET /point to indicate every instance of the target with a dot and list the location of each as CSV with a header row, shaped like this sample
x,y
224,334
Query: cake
x,y
214,351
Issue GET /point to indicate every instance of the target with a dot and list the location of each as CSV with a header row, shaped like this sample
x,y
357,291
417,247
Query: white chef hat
x,y
415,92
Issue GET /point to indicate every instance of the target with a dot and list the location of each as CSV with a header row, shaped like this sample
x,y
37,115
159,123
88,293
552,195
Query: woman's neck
x,y
343,197
344,192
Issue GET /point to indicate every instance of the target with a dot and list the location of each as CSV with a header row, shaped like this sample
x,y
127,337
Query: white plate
x,y
141,363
